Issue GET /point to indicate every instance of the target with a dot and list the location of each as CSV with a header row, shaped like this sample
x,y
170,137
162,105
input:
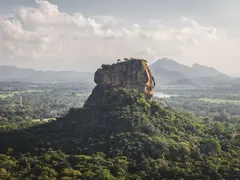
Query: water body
x,y
163,95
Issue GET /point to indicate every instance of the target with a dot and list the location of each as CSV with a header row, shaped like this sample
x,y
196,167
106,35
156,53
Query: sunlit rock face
x,y
129,74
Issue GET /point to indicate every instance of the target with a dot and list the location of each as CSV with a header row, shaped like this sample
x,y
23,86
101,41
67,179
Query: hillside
x,y
182,82
170,65
163,76
121,134
124,125
12,73
172,71
198,70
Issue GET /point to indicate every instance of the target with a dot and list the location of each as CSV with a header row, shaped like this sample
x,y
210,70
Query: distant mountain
x,y
166,71
12,73
163,76
198,70
170,65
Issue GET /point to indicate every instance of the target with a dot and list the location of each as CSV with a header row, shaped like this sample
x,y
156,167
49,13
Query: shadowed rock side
x,y
131,74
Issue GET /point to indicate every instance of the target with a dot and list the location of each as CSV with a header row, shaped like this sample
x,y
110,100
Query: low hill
x,y
12,73
183,82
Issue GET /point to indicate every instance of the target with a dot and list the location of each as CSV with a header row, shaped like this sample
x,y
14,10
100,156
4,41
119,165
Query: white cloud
x,y
43,35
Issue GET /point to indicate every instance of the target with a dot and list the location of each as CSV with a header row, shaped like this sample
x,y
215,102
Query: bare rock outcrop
x,y
129,74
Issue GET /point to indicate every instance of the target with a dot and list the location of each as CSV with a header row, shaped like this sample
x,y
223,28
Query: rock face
x,y
131,74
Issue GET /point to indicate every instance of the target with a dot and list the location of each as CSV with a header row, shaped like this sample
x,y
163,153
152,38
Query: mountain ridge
x,y
196,73
166,71
13,73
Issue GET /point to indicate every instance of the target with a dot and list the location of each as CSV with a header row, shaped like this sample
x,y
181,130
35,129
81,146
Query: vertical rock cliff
x,y
130,74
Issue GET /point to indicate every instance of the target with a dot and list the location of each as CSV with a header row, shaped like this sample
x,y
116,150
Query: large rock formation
x,y
130,74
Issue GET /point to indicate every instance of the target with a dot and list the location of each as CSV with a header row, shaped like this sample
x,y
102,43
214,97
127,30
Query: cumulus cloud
x,y
44,36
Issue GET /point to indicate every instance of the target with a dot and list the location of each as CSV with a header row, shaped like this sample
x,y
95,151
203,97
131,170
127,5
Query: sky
x,y
81,35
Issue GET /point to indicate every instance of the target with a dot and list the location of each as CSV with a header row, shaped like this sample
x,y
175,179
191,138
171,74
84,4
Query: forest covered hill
x,y
123,137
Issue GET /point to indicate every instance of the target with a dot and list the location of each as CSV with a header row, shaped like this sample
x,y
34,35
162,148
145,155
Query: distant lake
x,y
163,95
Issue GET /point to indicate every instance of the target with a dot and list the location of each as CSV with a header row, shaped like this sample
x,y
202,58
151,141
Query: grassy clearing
x,y
12,94
78,94
6,95
43,120
29,91
219,101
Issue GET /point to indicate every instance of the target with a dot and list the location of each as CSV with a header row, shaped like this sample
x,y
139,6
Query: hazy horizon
x,y
93,71
80,36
